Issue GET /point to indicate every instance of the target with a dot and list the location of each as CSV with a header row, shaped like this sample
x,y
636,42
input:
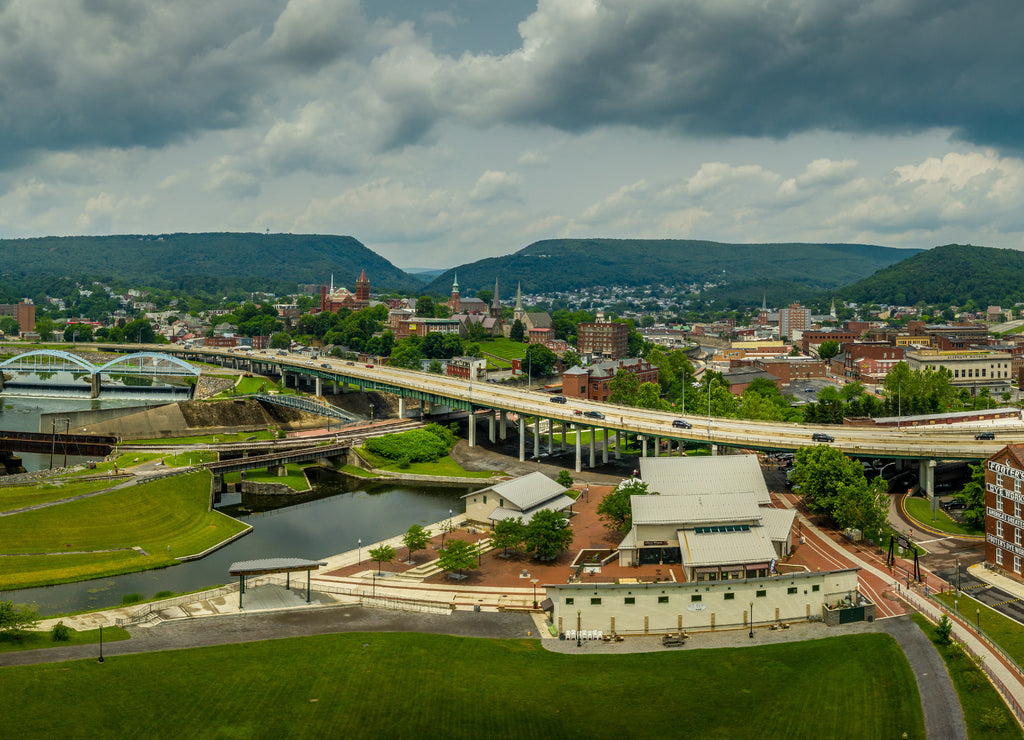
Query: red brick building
x,y
24,313
593,382
421,327
1004,501
334,300
606,338
790,369
816,338
466,368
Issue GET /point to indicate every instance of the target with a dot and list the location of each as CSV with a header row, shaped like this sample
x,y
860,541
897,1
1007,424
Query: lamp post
x,y
67,431
101,644
359,552
579,626
534,582
978,617
751,620
371,412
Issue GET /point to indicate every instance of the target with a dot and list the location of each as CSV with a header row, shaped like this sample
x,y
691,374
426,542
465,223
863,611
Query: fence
x,y
1002,688
149,611
369,598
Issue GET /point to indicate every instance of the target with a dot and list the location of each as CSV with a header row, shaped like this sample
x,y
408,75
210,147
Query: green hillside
x,y
568,264
954,273
274,262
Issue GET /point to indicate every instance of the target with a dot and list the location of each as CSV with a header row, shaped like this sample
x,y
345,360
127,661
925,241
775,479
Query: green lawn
x,y
376,685
255,384
985,713
1005,632
445,466
502,347
166,519
185,459
15,497
294,479
357,472
919,508
206,439
10,642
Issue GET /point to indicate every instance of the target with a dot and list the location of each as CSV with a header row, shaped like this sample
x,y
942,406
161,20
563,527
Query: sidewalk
x,y
1009,585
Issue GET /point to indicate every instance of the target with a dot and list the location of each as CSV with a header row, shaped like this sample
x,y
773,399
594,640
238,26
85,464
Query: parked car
x,y
594,414
558,399
985,435
822,437
954,506
682,424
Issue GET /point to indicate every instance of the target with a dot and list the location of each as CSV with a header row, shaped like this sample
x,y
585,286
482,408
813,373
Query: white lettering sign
x,y
999,542
1005,470
1005,493
1004,517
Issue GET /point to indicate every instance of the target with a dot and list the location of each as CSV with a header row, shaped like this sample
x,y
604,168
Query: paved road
x,y
191,633
943,716
992,596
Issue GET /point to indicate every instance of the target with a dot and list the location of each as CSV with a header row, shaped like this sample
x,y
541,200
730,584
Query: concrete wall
x,y
88,417
668,607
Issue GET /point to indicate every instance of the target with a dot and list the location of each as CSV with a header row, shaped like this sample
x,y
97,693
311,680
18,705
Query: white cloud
x,y
495,185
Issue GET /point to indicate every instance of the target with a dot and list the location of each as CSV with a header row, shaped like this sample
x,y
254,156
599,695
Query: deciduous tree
x,y
509,535
415,538
548,534
383,554
458,555
615,507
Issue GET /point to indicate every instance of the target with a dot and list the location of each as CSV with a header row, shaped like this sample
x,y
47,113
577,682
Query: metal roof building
x,y
681,476
522,497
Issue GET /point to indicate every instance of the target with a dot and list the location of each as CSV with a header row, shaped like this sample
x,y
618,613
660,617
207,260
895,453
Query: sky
x,y
439,132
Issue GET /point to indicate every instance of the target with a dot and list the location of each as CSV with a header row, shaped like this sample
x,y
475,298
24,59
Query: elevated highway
x,y
503,404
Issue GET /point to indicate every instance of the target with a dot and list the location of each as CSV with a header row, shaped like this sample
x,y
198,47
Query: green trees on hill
x,y
416,445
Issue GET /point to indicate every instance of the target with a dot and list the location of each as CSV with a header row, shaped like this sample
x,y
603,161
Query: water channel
x,y
339,512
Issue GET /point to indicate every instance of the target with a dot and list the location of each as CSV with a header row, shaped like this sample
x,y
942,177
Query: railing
x,y
149,611
368,597
1008,697
305,404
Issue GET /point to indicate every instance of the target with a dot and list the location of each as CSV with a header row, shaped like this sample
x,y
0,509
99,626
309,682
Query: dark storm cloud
x,y
723,67
126,73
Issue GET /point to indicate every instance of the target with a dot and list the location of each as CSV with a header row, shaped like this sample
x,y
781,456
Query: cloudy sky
x,y
442,131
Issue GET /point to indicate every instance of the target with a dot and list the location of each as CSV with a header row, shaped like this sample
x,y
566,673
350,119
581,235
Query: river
x,y
332,519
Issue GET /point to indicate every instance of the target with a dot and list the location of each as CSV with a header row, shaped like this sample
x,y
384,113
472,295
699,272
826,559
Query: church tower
x,y
496,303
519,314
363,287
454,304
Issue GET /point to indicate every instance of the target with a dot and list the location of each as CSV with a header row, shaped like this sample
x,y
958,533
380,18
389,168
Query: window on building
x,y
1016,536
729,596
791,590
695,597
760,593
485,499
1016,563
999,556
1016,509
596,601
570,601
999,529
662,599
816,587
629,600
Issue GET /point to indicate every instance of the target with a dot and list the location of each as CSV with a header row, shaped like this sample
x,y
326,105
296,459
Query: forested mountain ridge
x,y
206,261
573,264
952,274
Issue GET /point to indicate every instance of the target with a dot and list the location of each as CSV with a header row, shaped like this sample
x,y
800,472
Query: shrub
x,y
943,630
60,632
163,594
131,598
418,445
403,462
564,479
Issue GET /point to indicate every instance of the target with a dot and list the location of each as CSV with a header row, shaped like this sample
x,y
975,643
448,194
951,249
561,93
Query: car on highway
x,y
594,414
325,365
557,399
985,435
682,424
822,437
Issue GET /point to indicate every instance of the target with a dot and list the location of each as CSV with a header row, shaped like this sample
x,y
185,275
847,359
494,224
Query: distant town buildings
x,y
24,313
334,299
605,338
594,381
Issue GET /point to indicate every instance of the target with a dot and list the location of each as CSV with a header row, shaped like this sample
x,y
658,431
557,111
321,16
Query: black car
x,y
558,399
594,414
985,435
954,506
822,437
682,424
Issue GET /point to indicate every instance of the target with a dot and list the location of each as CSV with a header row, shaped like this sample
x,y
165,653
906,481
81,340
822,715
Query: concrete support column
x,y
502,424
522,439
491,426
94,386
714,450
319,386
551,436
618,444
401,407
337,387
536,438
926,477
657,446
579,450
604,448
643,452
593,445
471,420
279,470
563,425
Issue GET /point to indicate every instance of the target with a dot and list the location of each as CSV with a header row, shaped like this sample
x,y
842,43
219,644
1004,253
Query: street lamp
x,y
371,412
579,626
534,582
101,644
751,620
359,552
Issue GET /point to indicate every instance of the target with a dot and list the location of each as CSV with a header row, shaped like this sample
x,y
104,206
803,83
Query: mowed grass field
x,y
16,497
164,519
373,685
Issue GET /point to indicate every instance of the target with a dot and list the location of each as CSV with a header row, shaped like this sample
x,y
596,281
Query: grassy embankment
x,y
17,497
94,537
444,466
985,714
920,510
1003,631
208,439
854,686
295,477
11,642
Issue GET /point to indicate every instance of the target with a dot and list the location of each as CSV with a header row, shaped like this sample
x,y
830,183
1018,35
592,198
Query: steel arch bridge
x,y
139,363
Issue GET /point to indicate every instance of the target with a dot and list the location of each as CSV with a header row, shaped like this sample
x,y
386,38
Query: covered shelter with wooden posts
x,y
269,566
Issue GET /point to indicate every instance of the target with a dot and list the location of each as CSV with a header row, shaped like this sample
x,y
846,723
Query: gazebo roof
x,y
273,565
